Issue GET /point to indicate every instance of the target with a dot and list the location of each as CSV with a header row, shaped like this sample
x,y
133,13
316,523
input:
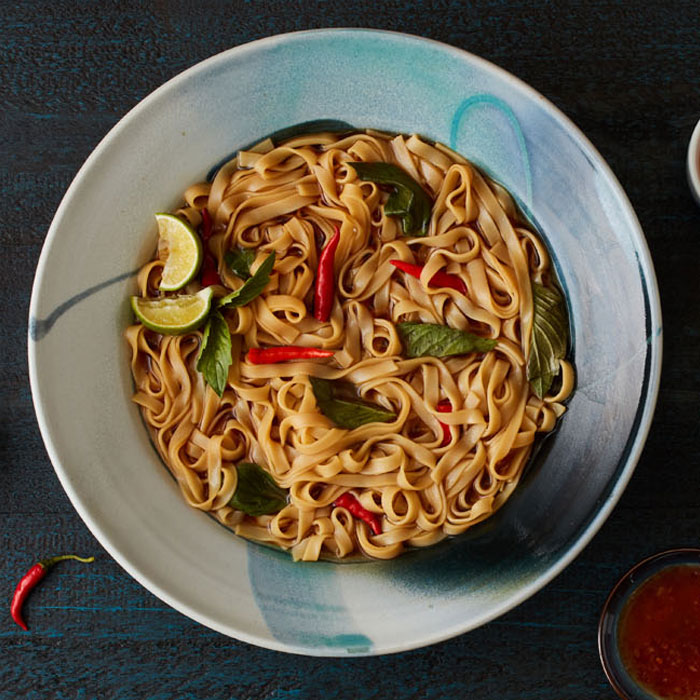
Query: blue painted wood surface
x,y
627,73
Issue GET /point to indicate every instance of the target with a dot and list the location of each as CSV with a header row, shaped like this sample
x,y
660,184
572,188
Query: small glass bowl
x,y
618,676
693,163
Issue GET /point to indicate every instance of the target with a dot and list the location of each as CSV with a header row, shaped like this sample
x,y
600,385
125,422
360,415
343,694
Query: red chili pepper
x,y
210,273
31,578
325,279
267,356
445,406
206,224
350,502
439,279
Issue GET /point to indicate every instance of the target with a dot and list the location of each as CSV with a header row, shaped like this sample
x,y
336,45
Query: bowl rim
x,y
693,162
645,408
625,587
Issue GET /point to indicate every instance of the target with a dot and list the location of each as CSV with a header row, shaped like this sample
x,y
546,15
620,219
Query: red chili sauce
x,y
659,633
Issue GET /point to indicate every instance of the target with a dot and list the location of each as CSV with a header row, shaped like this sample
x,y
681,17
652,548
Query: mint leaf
x,y
214,357
549,337
409,201
240,260
421,339
257,493
252,287
338,401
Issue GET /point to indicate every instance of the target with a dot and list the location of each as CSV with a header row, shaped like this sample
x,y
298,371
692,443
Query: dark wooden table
x,y
627,73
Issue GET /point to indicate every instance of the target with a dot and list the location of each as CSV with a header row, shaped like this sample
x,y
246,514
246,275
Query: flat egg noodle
x,y
287,200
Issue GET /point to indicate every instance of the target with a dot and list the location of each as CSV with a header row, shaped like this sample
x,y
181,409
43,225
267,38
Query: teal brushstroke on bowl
x,y
503,151
39,327
302,603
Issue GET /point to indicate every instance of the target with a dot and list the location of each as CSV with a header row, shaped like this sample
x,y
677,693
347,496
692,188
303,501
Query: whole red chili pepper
x,y
445,406
267,356
325,279
350,502
439,279
31,578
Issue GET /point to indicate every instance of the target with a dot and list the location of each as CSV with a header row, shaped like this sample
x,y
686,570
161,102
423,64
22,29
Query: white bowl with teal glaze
x,y
79,363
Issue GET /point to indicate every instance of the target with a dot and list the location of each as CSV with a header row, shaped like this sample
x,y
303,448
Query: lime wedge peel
x,y
185,252
173,315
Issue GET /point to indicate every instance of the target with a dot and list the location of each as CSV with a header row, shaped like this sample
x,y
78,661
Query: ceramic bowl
x,y
620,678
103,230
693,163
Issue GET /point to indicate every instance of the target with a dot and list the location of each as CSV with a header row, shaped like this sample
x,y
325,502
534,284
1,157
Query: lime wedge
x,y
184,252
173,315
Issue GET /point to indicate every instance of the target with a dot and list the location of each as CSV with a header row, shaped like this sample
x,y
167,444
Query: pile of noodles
x,y
287,199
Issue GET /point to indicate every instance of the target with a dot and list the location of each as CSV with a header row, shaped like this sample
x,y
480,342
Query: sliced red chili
x,y
350,503
439,279
325,279
266,356
445,406
30,580
210,273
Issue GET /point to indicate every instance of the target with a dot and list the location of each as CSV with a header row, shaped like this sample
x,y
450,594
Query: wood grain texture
x,y
628,74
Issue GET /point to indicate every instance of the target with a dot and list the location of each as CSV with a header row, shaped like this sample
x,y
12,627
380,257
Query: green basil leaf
x,y
252,287
240,260
322,388
421,339
257,493
548,339
215,353
409,201
335,400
